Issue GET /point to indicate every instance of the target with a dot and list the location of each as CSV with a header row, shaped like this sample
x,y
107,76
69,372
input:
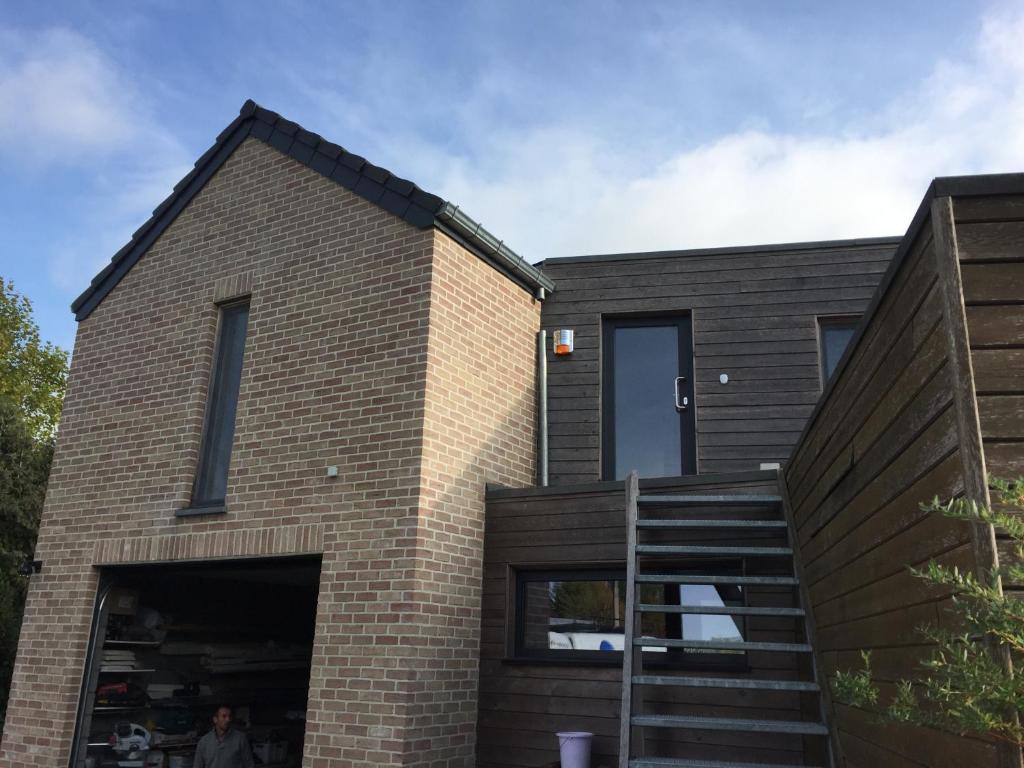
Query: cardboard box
x,y
124,602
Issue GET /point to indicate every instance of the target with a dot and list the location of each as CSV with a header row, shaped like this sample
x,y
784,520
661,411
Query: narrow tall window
x,y
219,428
834,335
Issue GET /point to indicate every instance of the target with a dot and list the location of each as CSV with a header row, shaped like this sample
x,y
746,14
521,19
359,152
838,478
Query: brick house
x,y
312,463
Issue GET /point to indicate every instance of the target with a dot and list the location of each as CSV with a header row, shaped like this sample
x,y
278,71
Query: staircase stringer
x,y
629,652
826,711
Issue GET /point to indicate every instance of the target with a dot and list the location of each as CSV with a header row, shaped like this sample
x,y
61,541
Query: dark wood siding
x,y
522,705
885,438
754,318
990,241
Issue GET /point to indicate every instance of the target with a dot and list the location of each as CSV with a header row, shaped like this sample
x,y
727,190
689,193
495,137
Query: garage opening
x,y
172,642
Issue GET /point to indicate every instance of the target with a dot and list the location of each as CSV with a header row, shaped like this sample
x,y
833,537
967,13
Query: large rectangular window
x,y
211,480
580,615
834,336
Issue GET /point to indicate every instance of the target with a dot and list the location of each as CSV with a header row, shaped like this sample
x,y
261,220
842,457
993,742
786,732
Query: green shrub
x,y
967,685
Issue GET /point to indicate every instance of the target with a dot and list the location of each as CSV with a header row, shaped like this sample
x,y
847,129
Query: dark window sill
x,y
615,660
210,509
547,661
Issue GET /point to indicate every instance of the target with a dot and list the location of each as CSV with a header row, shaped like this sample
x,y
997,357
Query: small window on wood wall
x,y
834,336
210,487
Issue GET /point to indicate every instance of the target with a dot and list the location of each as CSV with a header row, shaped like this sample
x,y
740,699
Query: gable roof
x,y
378,185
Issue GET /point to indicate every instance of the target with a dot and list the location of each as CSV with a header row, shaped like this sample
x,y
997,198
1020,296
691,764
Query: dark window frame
x,y
673,658
524,576
215,398
687,422
824,322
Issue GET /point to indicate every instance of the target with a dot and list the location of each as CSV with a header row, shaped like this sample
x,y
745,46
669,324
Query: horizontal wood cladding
x,y
884,439
754,318
990,242
523,704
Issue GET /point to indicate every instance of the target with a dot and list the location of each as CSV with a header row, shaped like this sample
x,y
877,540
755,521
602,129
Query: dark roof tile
x,y
376,173
418,217
402,186
345,176
369,189
329,148
426,200
355,162
287,126
301,152
394,194
280,140
261,130
266,115
322,163
394,202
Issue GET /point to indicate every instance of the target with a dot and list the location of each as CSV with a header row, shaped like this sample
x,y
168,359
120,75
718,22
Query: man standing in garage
x,y
224,746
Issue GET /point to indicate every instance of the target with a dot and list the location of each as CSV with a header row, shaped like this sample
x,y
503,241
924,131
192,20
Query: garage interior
x,y
172,642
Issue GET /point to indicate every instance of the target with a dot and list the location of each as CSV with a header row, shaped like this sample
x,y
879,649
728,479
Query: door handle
x,y
682,401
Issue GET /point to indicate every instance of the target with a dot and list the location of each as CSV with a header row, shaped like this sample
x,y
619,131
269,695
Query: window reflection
x,y
710,626
586,612
647,436
835,334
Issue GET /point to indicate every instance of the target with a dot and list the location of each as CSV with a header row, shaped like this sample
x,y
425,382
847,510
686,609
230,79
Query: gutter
x,y
473,232
542,408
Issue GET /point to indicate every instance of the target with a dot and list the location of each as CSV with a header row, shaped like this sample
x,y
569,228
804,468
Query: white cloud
x,y
60,97
562,190
566,187
67,106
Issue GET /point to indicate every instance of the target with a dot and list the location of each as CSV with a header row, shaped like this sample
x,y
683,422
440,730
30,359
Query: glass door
x,y
647,391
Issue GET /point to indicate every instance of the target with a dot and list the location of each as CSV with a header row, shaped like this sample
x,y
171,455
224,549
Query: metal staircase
x,y
687,540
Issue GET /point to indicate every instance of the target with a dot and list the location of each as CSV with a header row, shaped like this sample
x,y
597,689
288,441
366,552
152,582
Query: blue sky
x,y
566,127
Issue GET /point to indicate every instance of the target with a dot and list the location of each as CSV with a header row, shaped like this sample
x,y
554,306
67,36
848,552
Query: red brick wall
x,y
337,367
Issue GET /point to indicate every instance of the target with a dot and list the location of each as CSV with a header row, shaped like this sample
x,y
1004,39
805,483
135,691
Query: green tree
x,y
24,466
32,374
590,602
32,379
966,685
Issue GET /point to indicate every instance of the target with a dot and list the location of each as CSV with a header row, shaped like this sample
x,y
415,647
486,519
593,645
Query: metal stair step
x,y
671,762
731,724
722,645
688,681
672,549
730,610
691,578
709,523
725,500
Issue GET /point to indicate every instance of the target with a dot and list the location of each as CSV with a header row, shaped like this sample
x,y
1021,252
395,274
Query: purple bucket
x,y
575,748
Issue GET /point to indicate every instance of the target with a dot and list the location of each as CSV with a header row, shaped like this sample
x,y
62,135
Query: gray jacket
x,y
232,751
